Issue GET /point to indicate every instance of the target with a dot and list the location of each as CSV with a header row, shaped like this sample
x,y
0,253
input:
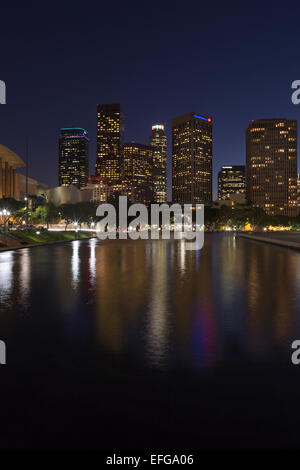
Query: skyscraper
x,y
137,172
271,172
192,159
158,141
73,157
110,130
231,180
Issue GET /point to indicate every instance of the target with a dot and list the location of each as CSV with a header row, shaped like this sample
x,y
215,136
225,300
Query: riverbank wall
x,y
278,240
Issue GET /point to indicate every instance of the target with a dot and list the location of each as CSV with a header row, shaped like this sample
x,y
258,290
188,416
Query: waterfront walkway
x,y
286,239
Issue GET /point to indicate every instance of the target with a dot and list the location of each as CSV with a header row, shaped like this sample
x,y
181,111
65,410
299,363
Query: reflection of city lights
x,y
6,274
182,254
158,327
75,263
25,275
92,261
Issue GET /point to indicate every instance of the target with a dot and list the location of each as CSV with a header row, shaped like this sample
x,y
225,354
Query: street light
x,y
5,215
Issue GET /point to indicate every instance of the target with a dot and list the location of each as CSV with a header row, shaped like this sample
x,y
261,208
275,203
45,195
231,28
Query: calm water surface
x,y
139,344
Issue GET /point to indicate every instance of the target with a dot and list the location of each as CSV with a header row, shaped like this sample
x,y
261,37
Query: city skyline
x,y
167,129
191,177
149,229
234,91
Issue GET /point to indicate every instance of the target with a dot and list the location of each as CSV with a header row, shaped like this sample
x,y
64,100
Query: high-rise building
x,y
231,180
192,159
110,131
73,157
137,172
271,170
158,141
99,188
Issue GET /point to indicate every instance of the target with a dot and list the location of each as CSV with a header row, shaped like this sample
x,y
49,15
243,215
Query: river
x,y
133,344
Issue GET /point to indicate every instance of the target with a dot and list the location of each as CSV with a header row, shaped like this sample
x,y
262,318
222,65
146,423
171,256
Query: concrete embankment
x,y
284,239
28,239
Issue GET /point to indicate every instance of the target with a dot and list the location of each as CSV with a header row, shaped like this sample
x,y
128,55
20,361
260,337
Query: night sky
x,y
158,59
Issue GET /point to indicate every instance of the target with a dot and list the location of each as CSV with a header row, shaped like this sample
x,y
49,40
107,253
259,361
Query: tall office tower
x,y
231,180
158,141
73,157
137,172
271,171
192,159
298,190
110,130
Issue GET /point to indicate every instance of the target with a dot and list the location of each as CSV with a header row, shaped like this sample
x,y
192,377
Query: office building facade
x,y
158,142
73,157
192,159
271,165
110,131
231,180
137,172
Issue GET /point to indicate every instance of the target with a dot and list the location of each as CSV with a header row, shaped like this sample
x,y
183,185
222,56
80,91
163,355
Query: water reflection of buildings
x,y
158,303
121,291
6,276
194,310
158,321
229,270
75,264
15,283
92,266
271,292
25,277
255,294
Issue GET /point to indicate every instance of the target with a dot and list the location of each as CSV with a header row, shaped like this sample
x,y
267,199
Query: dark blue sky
x,y
233,62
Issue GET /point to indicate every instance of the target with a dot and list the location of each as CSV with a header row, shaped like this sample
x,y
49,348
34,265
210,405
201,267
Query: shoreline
x,y
265,239
271,241
34,245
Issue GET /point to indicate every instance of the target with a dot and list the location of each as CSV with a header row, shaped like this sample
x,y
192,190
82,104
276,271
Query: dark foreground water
x,y
127,344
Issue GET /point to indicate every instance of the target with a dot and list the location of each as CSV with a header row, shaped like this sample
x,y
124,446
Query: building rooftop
x,y
11,157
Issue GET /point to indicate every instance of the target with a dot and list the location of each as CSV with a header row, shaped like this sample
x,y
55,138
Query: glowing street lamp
x,y
5,215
